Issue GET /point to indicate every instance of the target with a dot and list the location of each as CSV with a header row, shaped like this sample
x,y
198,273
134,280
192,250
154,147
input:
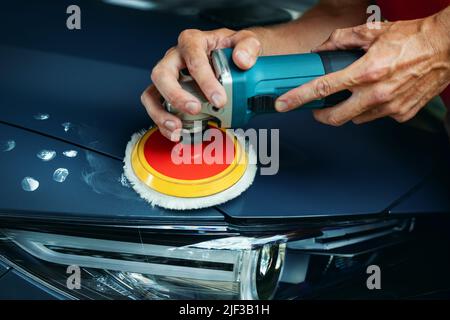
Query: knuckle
x,y
249,34
223,30
157,73
322,88
360,30
193,63
380,96
187,35
245,33
176,99
375,72
335,35
296,99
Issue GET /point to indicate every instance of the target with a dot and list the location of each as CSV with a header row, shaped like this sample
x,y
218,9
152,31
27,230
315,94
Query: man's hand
x,y
192,52
406,64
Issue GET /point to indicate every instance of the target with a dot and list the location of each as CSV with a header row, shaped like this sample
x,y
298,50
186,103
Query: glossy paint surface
x,y
63,90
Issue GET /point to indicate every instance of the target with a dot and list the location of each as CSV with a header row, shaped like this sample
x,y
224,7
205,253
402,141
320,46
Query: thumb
x,y
247,48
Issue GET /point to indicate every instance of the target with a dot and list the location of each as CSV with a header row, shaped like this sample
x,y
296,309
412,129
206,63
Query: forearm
x,y
313,28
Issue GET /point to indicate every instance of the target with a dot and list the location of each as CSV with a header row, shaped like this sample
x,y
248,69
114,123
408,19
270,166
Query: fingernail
x,y
193,107
216,99
243,57
281,105
169,124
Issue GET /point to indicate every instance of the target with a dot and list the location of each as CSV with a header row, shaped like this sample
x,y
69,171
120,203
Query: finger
x,y
350,38
343,112
373,114
171,135
402,108
166,121
165,78
317,89
247,48
194,50
415,105
406,116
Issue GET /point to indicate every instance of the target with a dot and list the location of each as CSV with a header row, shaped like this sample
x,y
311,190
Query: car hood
x,y
95,107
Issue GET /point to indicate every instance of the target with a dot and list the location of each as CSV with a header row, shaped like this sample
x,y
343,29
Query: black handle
x,y
334,61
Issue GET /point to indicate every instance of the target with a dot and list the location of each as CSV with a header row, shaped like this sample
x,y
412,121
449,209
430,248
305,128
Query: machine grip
x,y
331,61
334,61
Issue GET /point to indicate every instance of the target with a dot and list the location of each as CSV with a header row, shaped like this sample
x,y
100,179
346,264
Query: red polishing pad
x,y
187,175
201,160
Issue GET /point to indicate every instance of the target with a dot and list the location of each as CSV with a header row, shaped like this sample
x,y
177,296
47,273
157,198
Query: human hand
x,y
192,52
406,64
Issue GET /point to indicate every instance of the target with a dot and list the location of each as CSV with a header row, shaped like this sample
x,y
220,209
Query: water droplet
x,y
67,126
70,153
41,116
29,184
8,145
46,155
60,174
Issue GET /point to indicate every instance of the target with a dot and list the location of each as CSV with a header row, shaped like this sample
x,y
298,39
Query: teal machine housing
x,y
255,90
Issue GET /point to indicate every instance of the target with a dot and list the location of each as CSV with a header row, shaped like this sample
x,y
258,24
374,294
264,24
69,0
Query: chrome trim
x,y
346,236
223,73
27,274
36,243
175,227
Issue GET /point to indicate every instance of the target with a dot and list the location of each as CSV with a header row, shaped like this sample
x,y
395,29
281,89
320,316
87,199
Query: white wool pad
x,y
156,198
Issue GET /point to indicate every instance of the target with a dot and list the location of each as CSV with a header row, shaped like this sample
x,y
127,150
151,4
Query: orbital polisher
x,y
149,164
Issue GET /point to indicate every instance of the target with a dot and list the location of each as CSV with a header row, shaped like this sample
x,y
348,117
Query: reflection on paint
x,y
8,145
104,177
46,155
41,116
134,4
29,184
70,153
60,174
67,126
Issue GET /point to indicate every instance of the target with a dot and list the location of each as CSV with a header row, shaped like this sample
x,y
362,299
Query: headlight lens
x,y
227,268
270,262
172,262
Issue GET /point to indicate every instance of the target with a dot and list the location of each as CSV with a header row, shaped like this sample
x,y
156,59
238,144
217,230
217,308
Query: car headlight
x,y
226,268
192,262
